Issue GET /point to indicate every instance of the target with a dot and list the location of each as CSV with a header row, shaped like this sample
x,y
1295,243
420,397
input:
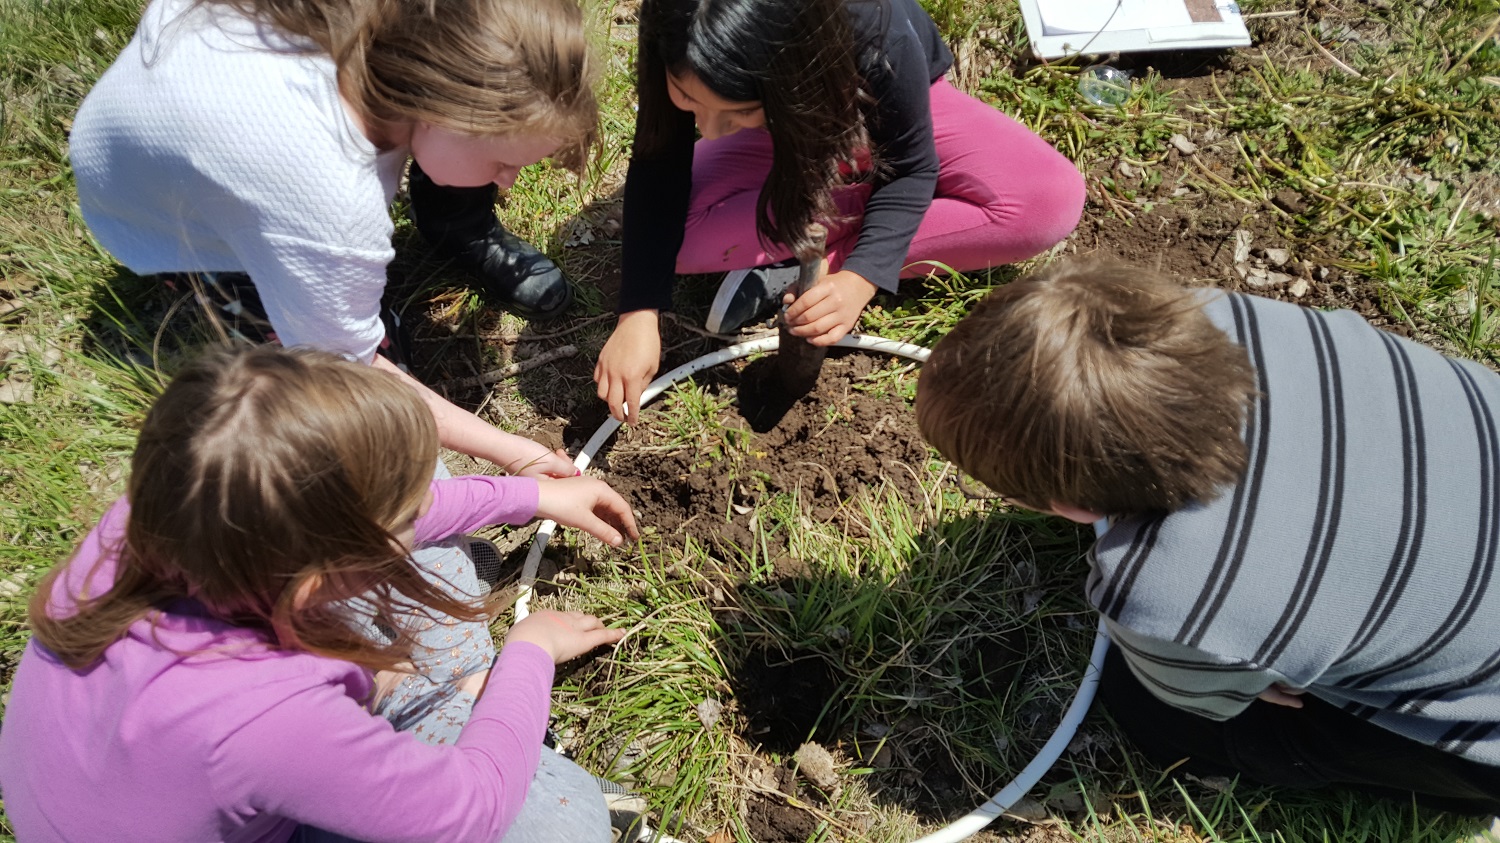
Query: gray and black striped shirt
x,y
1357,556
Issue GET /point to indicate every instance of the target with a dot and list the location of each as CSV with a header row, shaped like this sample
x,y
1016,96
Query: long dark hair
x,y
798,58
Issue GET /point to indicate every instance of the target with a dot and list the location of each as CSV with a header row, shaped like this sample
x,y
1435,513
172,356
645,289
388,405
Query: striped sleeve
x,y
1189,678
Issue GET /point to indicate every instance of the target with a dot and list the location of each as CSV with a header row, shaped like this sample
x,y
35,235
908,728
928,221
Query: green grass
x,y
1393,164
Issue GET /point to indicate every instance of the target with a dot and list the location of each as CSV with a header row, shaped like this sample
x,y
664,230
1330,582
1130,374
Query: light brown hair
x,y
478,67
265,488
1099,386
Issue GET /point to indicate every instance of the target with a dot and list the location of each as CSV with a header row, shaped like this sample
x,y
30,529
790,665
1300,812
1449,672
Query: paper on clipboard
x,y
1068,27
1087,16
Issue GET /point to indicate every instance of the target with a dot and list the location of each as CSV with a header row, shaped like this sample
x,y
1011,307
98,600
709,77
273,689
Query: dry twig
x,y
551,355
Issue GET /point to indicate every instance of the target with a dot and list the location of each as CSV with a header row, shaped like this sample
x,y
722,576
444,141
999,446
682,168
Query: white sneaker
x,y
750,295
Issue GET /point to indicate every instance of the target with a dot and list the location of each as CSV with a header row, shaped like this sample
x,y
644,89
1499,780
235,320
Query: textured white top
x,y
214,144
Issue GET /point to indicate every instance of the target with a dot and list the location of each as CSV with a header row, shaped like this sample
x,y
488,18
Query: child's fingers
x,y
825,330
798,309
633,389
831,336
617,511
612,392
598,528
607,636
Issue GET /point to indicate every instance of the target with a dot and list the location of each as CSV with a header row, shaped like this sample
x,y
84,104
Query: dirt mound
x,y
844,436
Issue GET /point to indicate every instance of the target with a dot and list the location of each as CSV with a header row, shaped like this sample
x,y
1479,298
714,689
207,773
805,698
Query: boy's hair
x,y
478,67
795,57
1098,386
265,488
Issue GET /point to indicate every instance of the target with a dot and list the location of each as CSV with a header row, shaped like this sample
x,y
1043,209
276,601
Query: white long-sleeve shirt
x,y
216,144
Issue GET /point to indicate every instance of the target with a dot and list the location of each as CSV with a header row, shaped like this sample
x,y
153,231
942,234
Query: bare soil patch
x,y
835,441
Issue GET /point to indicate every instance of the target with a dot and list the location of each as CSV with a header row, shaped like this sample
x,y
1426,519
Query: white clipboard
x,y
1121,37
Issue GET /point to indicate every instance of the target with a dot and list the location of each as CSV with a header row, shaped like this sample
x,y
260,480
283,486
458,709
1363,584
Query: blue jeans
x,y
564,803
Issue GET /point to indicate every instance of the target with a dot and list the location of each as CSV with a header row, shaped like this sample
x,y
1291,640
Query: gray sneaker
x,y
627,811
488,563
750,295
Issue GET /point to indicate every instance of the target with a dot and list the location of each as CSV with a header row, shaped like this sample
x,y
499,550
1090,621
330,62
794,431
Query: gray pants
x,y
564,803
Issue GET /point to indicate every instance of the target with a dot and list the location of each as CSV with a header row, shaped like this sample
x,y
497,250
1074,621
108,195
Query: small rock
x,y
883,757
1323,273
1242,240
1031,600
817,765
1299,288
1028,810
762,775
1066,800
1126,170
709,712
1258,277
17,392
1278,279
1179,192
1278,257
582,235
1218,784
1185,146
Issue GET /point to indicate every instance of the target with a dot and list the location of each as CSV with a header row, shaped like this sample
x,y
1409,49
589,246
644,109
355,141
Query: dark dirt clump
x,y
771,820
839,439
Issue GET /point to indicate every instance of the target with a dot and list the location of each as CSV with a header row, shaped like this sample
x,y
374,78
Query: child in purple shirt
x,y
200,670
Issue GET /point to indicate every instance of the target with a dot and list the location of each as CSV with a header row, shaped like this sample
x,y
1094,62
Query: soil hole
x,y
785,697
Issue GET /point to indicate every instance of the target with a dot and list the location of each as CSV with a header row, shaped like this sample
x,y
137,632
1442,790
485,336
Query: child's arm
x,y
657,186
464,504
467,433
318,757
902,134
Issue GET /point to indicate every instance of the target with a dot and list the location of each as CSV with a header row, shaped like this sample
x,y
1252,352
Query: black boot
x,y
460,223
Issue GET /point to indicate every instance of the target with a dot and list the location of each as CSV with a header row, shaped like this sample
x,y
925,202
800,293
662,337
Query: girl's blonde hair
x,y
478,67
265,491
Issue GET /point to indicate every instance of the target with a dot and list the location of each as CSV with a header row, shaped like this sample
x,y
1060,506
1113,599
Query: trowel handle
x,y
811,258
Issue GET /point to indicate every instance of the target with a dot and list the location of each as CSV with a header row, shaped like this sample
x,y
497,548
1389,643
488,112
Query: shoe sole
x,y
488,563
720,308
533,315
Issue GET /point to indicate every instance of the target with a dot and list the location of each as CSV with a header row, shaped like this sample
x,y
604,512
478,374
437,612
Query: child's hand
x,y
588,504
828,311
564,635
548,466
1280,694
627,363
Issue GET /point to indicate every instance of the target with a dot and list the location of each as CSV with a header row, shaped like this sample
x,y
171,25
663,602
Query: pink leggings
x,y
1003,195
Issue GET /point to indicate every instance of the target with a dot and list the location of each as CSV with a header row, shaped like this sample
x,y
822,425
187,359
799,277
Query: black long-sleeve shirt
x,y
900,54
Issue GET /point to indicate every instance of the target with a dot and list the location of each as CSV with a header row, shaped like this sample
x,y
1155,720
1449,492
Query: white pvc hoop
x,y
972,822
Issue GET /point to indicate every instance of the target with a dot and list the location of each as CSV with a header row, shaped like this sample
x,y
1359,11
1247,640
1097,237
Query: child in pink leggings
x,y
827,111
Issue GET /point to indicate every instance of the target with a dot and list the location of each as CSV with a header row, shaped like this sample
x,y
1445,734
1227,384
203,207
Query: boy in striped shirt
x,y
1300,576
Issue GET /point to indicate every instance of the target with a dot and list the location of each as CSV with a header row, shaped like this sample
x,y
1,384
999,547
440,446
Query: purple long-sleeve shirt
x,y
196,731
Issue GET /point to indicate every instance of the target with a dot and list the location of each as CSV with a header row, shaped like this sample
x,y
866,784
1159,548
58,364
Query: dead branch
x,y
551,355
